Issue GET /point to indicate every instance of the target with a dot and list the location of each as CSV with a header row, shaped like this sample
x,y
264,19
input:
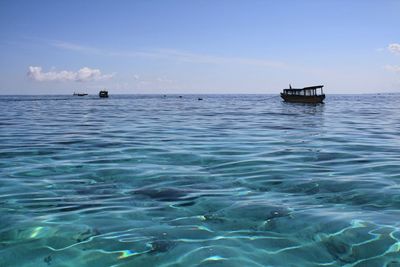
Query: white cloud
x,y
83,75
154,80
174,55
77,48
164,79
212,59
394,48
393,68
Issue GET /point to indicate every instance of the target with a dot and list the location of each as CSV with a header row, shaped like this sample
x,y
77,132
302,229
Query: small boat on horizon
x,y
80,94
103,93
304,95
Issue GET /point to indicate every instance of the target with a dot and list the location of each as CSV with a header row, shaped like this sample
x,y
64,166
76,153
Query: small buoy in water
x,y
199,98
180,96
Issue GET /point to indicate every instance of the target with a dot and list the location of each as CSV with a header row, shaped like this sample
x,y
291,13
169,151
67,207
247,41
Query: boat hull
x,y
303,99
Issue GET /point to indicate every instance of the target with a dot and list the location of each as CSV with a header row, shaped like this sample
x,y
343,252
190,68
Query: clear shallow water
x,y
241,180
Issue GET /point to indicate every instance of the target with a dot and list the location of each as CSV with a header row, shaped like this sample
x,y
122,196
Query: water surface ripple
x,y
233,180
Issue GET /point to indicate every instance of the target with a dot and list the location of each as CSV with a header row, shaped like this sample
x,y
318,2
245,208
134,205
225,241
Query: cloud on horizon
x,y
394,48
85,74
393,68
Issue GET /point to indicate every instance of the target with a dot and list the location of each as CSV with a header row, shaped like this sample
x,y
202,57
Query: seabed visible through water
x,y
233,180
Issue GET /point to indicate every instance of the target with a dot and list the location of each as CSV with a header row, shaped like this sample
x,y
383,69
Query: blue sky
x,y
57,47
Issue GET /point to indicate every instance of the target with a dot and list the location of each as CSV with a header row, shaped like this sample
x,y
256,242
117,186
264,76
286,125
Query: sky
x,y
199,46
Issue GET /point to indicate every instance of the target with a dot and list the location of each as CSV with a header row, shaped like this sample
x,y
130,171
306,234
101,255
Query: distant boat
x,y
80,94
103,93
304,95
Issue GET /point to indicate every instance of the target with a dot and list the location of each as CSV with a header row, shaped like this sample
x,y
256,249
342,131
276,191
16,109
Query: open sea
x,y
232,180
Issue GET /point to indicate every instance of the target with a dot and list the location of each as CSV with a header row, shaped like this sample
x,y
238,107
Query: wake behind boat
x,y
304,95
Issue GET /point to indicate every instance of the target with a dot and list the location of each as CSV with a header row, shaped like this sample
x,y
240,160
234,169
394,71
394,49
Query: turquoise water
x,y
233,180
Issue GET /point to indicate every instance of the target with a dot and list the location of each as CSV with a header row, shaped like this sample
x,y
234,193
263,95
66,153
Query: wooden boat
x,y
103,93
304,95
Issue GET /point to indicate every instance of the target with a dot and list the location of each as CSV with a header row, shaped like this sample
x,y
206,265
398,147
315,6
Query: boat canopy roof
x,y
313,87
305,88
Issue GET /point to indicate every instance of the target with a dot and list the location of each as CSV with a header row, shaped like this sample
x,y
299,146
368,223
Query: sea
x,y
229,180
